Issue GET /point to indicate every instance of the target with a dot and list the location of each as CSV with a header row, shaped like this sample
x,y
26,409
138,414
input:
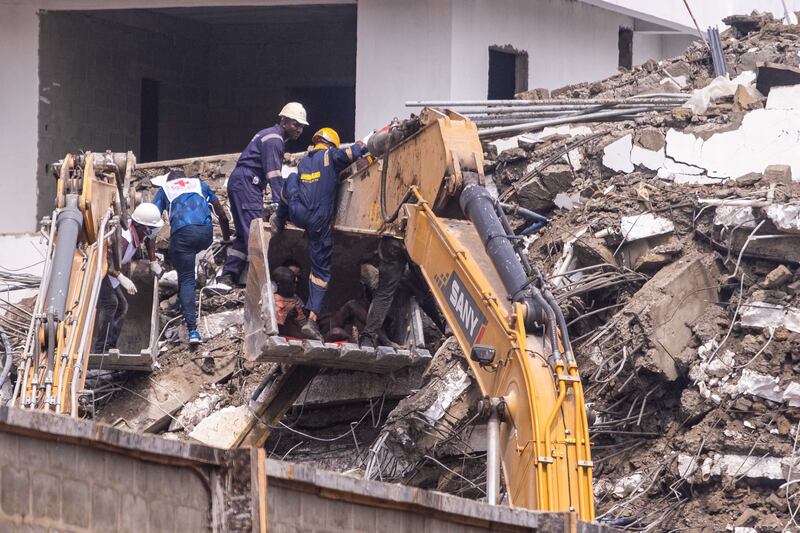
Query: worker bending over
x,y
309,201
391,272
260,163
112,304
188,201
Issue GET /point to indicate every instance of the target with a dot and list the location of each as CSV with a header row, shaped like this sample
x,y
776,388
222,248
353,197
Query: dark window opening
x,y
508,72
625,45
331,107
148,142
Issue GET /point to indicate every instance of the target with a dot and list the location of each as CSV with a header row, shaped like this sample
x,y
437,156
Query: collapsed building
x,y
670,241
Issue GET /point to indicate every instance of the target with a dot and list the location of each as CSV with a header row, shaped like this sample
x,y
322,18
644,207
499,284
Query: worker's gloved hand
x,y
156,268
126,283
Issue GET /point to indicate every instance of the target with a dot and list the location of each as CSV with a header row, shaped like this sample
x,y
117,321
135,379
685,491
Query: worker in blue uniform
x,y
188,202
260,164
309,202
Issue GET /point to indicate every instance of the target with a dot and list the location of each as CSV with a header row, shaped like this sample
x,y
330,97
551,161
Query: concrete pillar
x,y
19,103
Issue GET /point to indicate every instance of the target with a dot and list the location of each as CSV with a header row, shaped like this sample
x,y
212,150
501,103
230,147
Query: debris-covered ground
x,y
673,246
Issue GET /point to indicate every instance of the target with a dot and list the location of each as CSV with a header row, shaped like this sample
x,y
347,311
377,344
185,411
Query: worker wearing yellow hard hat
x,y
309,201
325,138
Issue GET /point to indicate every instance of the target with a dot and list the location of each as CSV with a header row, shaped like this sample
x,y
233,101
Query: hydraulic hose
x,y
510,232
480,208
562,325
527,214
551,322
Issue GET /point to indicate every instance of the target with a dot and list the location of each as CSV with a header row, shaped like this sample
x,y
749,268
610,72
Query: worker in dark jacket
x,y
188,202
260,163
309,202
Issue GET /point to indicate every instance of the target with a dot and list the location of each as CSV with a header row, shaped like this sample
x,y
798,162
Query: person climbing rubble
x,y
112,304
309,202
260,163
188,202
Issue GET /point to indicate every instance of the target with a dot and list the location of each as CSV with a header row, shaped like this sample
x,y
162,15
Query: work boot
x,y
367,341
310,330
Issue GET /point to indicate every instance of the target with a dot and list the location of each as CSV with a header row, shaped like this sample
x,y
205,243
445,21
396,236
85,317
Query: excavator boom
x,y
426,187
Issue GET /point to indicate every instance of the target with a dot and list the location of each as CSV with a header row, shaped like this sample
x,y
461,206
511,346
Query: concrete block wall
x,y
91,66
60,474
51,486
256,66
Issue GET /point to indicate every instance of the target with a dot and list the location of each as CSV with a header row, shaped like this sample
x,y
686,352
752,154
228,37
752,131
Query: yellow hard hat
x,y
326,134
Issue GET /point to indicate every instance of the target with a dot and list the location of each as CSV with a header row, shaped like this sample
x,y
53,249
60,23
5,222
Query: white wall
x,y
646,46
403,53
19,32
567,42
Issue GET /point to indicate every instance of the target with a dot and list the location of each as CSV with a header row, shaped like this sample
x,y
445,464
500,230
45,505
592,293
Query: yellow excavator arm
x,y
426,187
53,367
488,294
544,441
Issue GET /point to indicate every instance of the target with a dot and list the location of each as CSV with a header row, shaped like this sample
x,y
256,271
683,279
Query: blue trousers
x,y
184,245
319,231
247,204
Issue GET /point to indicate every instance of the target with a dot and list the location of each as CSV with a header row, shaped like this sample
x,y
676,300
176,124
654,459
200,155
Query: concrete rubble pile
x,y
673,246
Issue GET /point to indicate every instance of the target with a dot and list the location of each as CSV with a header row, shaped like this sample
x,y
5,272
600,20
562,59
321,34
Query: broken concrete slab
x,y
785,217
667,304
196,410
214,324
787,98
617,155
539,194
221,429
765,137
643,226
730,216
340,387
760,314
649,159
764,469
162,394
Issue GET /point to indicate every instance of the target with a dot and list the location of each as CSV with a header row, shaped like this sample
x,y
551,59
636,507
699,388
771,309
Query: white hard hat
x,y
147,214
294,111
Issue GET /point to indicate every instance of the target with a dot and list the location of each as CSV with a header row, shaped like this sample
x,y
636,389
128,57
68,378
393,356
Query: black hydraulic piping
x,y
562,325
479,206
509,231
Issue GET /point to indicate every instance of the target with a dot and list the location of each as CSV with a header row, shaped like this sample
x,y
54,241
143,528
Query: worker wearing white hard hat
x,y
260,164
112,305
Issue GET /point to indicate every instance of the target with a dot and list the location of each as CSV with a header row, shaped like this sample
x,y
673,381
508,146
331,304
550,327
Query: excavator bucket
x,y
263,340
137,347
